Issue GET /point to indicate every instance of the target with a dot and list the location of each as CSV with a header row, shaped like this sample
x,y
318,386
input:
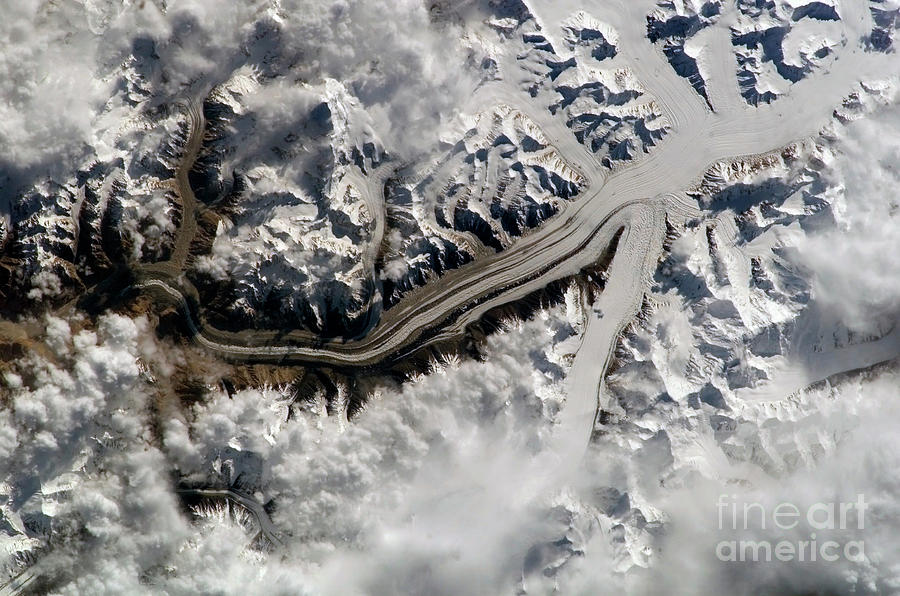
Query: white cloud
x,y
444,485
863,463
439,488
49,84
61,61
414,494
857,272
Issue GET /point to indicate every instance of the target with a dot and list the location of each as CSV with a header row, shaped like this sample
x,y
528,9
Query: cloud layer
x,y
61,70
445,485
857,272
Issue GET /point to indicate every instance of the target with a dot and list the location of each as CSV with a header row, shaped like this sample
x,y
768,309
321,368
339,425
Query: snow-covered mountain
x,y
476,296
